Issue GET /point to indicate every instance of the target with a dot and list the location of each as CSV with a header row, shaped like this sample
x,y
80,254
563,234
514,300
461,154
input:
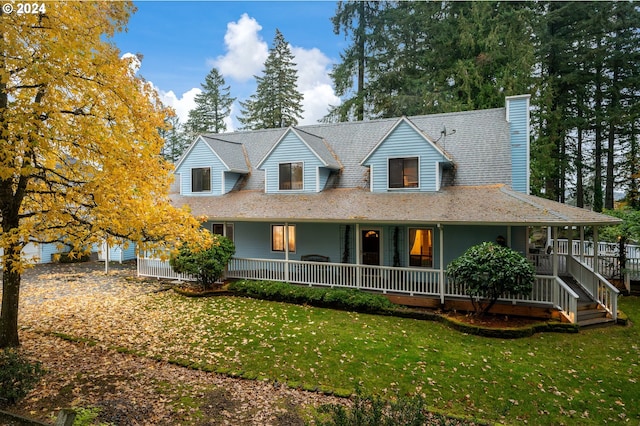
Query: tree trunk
x,y
597,178
579,171
362,28
10,299
609,179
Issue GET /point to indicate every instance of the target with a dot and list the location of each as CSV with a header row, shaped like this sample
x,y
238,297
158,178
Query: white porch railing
x,y
546,289
597,286
156,268
633,251
412,281
544,263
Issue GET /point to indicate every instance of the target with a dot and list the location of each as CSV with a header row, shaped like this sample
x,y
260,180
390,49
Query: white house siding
x,y
201,156
290,150
404,141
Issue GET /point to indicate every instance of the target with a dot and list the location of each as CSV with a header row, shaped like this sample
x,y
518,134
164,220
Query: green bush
x,y
17,376
489,271
374,411
321,297
207,265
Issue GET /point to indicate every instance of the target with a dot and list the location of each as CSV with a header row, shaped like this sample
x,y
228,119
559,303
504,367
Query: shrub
x,y
322,297
489,271
206,264
17,376
374,411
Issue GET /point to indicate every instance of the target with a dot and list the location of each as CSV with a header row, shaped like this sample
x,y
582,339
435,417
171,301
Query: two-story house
x,y
380,205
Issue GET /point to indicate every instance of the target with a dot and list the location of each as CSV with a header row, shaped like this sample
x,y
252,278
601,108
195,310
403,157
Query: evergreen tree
x,y
451,56
213,105
175,139
361,20
277,101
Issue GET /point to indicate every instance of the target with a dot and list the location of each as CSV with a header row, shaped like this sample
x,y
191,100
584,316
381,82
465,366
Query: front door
x,y
370,246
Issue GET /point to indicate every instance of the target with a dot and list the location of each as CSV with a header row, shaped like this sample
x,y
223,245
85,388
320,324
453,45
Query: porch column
x,y
442,278
595,249
286,251
570,241
582,243
554,233
358,254
106,256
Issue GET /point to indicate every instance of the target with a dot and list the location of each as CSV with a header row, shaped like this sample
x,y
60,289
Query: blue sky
x,y
182,40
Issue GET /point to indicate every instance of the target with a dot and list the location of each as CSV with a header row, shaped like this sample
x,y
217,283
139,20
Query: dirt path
x,y
133,390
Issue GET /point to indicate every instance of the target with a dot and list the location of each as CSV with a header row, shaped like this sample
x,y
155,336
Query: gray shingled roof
x,y
319,147
231,153
489,205
477,141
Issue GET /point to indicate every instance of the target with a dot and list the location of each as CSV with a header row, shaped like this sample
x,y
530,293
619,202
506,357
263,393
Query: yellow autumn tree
x,y
79,142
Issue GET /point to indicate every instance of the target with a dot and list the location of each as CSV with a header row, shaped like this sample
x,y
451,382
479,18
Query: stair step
x,y
596,322
590,306
590,314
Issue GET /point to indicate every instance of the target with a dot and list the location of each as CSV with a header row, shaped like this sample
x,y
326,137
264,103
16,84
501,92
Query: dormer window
x,y
201,179
403,172
290,176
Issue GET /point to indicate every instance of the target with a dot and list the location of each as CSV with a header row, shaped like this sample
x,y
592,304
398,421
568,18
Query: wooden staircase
x,y
590,313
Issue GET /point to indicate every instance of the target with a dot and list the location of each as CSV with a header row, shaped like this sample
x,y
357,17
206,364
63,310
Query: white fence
x,y
156,268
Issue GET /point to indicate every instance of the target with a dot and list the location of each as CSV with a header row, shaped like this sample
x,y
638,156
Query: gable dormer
x,y
298,162
211,166
405,159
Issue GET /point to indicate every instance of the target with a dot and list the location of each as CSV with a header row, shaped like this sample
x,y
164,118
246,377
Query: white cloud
x,y
246,50
134,62
314,83
183,104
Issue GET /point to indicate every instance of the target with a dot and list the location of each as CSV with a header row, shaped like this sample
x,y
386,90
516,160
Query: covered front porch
x,y
400,243
431,287
567,286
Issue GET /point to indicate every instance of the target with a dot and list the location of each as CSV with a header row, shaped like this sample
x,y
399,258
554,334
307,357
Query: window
x,y
277,238
201,179
290,176
403,172
225,229
421,247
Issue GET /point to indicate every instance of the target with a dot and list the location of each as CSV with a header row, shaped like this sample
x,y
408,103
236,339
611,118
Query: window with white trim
x,y
277,238
290,176
403,172
225,229
201,179
421,247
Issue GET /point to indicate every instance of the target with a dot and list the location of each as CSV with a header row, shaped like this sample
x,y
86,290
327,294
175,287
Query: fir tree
x,y
213,105
175,139
277,101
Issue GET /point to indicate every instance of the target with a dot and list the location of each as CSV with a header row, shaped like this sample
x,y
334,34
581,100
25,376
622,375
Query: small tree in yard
x,y
488,271
207,264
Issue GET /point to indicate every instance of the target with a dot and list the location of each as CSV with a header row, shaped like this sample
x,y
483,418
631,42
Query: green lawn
x,y
586,378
